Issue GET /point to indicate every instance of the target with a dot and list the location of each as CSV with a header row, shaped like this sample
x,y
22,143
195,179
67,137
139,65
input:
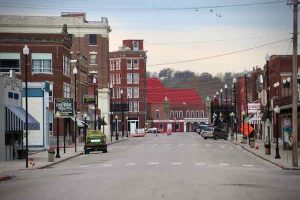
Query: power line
x,y
141,9
218,55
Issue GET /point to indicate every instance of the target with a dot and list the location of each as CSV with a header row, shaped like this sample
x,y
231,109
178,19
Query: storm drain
x,y
5,178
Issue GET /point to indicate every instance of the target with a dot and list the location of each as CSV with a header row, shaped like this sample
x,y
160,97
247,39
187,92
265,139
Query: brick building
x,y
175,109
128,81
48,62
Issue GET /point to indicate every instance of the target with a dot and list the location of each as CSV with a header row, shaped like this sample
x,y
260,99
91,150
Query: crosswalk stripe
x,y
223,164
176,163
130,164
153,163
247,165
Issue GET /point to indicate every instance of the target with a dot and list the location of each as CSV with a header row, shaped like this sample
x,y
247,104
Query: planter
x,y
51,153
267,149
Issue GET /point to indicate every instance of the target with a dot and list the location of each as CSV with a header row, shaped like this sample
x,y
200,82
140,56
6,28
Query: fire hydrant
x,y
256,146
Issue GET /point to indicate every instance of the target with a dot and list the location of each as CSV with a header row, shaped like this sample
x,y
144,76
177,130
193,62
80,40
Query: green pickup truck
x,y
95,141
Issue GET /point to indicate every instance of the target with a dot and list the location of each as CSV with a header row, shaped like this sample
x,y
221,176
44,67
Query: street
x,y
179,166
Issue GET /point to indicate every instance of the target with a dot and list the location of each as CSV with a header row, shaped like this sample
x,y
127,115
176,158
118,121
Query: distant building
x,y
128,80
173,109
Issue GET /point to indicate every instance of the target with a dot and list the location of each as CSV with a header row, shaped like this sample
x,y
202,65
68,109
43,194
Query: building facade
x,y
169,109
128,82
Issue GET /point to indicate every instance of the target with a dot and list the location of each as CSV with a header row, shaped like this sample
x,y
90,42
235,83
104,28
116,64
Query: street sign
x,y
88,99
246,129
65,106
253,107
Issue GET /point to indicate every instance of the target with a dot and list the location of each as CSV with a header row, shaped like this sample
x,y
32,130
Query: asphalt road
x,y
179,167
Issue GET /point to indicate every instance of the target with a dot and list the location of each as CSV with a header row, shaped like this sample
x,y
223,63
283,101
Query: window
x,y
136,92
67,90
135,64
130,106
128,64
157,114
197,114
113,79
10,95
118,77
111,65
118,64
187,114
192,114
9,61
129,92
41,62
66,66
135,45
180,114
136,106
136,78
51,92
16,96
129,78
93,39
93,58
176,114
171,114
50,116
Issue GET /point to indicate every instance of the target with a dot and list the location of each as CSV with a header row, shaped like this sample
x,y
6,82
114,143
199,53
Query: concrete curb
x,y
74,156
270,161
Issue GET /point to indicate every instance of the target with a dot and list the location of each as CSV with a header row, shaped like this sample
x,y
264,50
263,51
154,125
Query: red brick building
x,y
128,80
176,109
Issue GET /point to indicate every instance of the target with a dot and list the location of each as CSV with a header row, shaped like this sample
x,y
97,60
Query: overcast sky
x,y
172,35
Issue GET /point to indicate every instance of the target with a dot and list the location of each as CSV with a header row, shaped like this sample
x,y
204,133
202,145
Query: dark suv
x,y
219,133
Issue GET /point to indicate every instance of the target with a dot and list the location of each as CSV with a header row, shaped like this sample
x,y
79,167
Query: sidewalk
x,y
285,162
40,158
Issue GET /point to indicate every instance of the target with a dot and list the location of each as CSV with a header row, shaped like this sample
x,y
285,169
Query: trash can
x,y
51,153
252,142
267,149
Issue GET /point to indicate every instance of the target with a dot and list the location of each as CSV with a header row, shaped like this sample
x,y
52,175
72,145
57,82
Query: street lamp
x,y
232,115
26,53
95,104
267,109
111,108
103,123
57,115
122,109
126,125
276,85
117,135
175,124
85,127
286,84
221,92
234,104
277,111
217,95
75,107
226,94
243,123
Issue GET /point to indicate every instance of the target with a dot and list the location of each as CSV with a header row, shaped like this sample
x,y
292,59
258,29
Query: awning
x,y
20,113
80,123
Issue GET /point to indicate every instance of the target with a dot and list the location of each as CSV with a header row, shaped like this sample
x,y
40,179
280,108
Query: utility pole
x,y
294,83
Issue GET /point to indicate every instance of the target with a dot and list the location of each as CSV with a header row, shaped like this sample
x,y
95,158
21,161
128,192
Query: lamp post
x,y
126,125
75,106
286,84
226,94
277,111
111,108
234,104
268,145
217,96
95,104
103,123
26,53
175,124
122,109
116,121
221,92
243,123
232,115
276,85
57,115
85,127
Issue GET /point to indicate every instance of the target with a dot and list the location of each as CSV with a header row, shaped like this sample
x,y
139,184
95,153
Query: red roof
x,y
156,93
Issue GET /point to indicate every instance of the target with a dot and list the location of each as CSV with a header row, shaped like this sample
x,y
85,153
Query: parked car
x,y
200,128
216,133
152,130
